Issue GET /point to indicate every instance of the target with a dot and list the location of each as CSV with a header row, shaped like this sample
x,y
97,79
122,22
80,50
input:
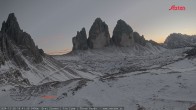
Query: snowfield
x,y
136,79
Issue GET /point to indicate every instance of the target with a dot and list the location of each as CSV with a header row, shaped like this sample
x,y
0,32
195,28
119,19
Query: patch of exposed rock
x,y
139,39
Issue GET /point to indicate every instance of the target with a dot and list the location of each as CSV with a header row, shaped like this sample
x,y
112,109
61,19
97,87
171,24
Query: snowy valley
x,y
99,72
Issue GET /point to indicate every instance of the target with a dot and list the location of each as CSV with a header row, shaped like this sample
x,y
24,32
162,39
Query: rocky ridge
x,y
20,55
177,40
99,37
14,44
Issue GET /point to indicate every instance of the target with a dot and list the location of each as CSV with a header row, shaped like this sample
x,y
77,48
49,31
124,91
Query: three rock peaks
x,y
99,36
14,43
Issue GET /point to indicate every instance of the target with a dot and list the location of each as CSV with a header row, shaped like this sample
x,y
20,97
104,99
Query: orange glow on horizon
x,y
59,52
159,39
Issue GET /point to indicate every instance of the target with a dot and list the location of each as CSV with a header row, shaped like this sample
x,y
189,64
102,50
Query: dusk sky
x,y
53,23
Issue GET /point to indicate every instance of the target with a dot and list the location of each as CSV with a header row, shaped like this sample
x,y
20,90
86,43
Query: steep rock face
x,y
99,36
11,52
80,40
177,40
2,59
122,34
11,27
139,39
13,35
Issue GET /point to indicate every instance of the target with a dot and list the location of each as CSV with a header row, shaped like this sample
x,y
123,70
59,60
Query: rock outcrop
x,y
12,28
177,40
14,43
122,34
193,107
99,36
13,77
139,39
80,40
191,52
11,52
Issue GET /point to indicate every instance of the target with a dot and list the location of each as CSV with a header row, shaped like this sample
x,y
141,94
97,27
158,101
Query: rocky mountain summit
x,y
99,36
19,54
13,39
139,39
122,34
80,40
177,40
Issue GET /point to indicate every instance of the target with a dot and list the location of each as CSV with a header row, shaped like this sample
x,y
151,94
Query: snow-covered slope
x,y
46,71
18,52
143,76
161,81
112,60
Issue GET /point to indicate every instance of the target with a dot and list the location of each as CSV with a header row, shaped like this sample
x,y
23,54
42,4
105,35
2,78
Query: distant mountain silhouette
x,y
99,37
177,40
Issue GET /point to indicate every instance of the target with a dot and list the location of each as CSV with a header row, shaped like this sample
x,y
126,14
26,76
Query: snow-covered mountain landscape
x,y
124,70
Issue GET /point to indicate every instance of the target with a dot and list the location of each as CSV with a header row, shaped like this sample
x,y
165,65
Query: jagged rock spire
x,y
11,25
80,40
14,43
99,36
122,34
